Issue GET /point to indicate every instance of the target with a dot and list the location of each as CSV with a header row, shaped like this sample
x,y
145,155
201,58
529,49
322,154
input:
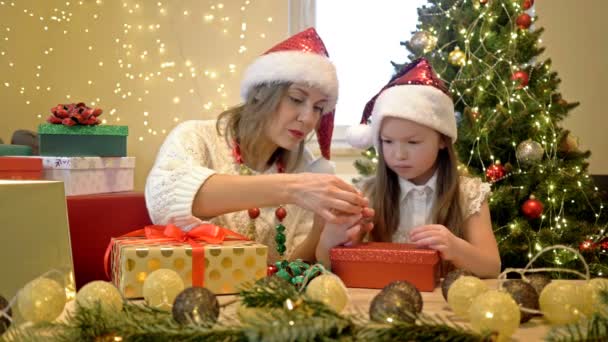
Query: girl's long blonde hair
x,y
384,194
246,123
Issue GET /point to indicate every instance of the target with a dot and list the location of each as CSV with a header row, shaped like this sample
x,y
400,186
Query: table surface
x,y
534,330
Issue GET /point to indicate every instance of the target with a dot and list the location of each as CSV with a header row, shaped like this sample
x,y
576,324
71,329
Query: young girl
x,y
417,194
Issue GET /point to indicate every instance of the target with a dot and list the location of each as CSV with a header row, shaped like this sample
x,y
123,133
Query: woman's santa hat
x,y
416,94
302,58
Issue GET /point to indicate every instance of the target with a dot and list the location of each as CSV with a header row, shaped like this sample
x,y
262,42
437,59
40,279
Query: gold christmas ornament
x,y
462,292
41,300
423,42
329,289
457,57
495,311
102,292
161,287
592,288
563,302
529,152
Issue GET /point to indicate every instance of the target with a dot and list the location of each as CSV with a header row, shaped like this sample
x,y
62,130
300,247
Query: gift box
x,y
35,233
94,220
20,168
90,175
15,150
376,264
83,141
221,267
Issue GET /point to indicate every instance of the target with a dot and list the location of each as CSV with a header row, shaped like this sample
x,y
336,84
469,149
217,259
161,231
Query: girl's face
x,y
410,149
297,115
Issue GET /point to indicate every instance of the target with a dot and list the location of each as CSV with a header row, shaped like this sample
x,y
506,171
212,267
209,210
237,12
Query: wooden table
x,y
534,330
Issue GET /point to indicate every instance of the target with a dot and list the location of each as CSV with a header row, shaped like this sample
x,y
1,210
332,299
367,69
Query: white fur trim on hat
x,y
423,104
293,66
360,136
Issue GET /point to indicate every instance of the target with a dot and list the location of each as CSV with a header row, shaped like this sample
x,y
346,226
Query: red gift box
x,y
376,264
94,221
20,168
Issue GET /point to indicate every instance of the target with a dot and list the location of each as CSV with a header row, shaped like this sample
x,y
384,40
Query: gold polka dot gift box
x,y
208,256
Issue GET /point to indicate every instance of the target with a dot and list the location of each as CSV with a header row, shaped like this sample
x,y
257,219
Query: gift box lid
x,y
20,164
79,163
385,252
15,150
83,130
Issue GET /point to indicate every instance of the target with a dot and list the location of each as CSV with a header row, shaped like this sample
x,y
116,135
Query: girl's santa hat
x,y
416,94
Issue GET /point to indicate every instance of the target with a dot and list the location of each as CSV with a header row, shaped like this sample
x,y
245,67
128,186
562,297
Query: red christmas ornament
x,y
527,4
522,77
483,2
253,213
586,245
271,269
495,172
523,21
532,208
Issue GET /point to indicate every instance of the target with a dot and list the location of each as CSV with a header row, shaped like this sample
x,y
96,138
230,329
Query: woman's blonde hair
x,y
384,194
245,123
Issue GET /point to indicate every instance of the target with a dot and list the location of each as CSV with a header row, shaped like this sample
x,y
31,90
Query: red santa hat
x,y
301,58
416,94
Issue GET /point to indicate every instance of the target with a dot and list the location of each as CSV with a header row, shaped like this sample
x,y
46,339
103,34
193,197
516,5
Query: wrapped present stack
x,y
88,157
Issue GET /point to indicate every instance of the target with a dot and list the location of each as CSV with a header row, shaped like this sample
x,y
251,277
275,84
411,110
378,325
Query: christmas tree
x,y
508,110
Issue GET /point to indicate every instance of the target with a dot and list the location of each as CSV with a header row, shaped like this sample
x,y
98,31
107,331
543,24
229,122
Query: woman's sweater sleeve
x,y
182,166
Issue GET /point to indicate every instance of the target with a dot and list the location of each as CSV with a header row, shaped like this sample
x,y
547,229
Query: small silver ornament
x,y
529,152
423,42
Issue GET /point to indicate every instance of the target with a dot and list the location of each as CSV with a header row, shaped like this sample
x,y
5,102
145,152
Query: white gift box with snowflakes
x,y
90,175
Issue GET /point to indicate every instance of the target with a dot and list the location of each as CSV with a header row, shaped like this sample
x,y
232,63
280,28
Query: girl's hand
x,y
437,237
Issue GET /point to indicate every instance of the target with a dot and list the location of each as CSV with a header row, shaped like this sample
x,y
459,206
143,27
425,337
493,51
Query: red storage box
x,y
376,264
20,168
94,220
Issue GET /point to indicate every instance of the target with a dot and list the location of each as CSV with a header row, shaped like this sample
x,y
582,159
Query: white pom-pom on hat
x,y
360,136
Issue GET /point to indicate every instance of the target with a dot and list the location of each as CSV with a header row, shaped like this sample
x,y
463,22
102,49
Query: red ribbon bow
x,y
205,232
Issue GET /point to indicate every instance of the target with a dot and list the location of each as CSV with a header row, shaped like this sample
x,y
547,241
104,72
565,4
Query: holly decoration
x,y
521,77
532,208
527,4
297,272
495,172
74,114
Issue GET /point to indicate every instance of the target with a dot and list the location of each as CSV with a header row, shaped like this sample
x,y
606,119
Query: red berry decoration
x,y
527,4
253,213
523,21
532,208
522,77
495,172
271,270
280,213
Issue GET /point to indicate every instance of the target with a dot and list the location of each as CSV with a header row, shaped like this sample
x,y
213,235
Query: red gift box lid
x,y
20,164
385,252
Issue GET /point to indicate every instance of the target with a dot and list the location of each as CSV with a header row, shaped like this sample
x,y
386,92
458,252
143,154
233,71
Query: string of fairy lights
x,y
496,85
147,53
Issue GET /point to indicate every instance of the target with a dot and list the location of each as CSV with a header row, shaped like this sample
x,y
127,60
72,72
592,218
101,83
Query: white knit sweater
x,y
192,152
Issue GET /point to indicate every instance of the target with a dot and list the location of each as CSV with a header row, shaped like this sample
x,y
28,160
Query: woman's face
x,y
297,115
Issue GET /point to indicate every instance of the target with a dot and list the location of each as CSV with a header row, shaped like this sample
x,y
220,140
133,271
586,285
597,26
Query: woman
x,y
237,170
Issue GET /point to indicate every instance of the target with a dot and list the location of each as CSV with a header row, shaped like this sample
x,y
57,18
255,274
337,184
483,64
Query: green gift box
x,y
83,141
15,150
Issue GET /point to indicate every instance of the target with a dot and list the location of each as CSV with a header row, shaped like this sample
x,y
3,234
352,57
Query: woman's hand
x,y
326,195
352,231
437,237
